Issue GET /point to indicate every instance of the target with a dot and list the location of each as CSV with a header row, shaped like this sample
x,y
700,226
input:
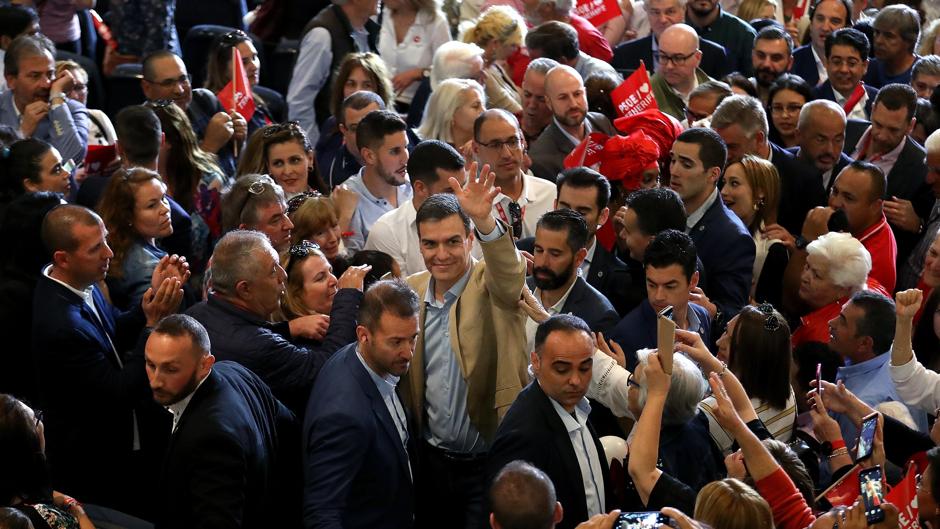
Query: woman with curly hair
x,y
500,32
283,152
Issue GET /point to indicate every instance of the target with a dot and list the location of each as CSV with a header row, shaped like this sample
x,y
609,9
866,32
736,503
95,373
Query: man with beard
x,y
771,57
535,112
678,71
846,64
220,468
571,123
825,17
559,251
897,30
36,104
713,23
382,183
821,133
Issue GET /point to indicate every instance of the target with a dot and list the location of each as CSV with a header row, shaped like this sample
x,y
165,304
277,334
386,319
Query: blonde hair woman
x,y
500,31
753,9
929,43
451,111
730,504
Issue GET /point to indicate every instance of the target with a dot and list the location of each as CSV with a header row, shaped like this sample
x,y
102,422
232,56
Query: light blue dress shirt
x,y
369,209
586,451
386,386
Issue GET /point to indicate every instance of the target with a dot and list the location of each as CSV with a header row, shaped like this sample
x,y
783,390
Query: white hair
x,y
561,6
452,61
821,104
443,103
686,390
745,111
849,261
932,144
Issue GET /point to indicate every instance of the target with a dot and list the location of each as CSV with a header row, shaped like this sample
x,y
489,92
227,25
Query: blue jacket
x,y
356,470
65,127
585,302
637,330
627,56
804,65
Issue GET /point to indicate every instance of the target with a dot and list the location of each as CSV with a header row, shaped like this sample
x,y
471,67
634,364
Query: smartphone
x,y
643,520
838,221
872,487
866,437
818,378
665,338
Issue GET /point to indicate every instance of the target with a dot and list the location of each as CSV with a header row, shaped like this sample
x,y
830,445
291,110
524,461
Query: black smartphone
x,y
838,221
870,482
866,437
643,520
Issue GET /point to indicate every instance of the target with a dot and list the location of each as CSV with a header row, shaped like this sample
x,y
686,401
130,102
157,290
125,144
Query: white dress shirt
x,y
428,32
537,198
586,451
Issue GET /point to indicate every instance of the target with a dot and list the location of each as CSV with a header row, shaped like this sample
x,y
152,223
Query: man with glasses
x,y
771,57
165,79
257,203
523,198
677,71
36,104
846,64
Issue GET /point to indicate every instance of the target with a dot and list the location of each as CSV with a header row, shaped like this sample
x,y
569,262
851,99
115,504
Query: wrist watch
x,y
57,95
801,243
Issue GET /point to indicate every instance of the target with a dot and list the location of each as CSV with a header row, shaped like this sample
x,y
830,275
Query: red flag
x,y
588,152
597,11
845,491
904,494
98,159
634,95
237,93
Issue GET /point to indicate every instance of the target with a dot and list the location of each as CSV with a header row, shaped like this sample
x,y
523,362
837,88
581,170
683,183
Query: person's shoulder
x,y
540,185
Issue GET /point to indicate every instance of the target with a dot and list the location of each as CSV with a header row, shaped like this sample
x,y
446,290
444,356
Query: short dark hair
x,y
671,247
879,182
878,319
847,4
57,233
555,40
523,497
21,231
429,156
493,113
140,134
180,326
569,221
712,149
11,517
657,209
357,101
775,32
789,81
381,264
439,207
391,295
15,19
849,37
376,125
739,80
25,46
895,96
150,58
22,162
558,323
582,177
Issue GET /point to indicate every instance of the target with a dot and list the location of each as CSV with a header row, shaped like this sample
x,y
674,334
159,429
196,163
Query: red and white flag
x,y
635,94
597,11
588,152
236,95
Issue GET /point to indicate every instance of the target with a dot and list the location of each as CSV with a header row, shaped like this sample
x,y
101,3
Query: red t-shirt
x,y
814,327
590,39
878,239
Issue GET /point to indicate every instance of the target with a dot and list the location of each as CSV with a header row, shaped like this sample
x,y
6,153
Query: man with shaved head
x,y
821,133
571,122
677,73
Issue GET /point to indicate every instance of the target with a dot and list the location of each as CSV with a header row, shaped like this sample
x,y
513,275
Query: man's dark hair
x,y
877,321
439,207
25,46
180,326
555,40
846,4
523,497
376,125
712,149
358,101
717,89
775,32
150,58
657,209
558,323
429,156
57,233
393,296
12,518
381,263
671,247
582,177
849,37
896,96
569,221
878,181
494,113
139,133
15,19
21,231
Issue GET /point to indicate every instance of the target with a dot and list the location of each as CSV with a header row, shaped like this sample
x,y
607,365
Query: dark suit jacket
x,y
627,56
637,330
825,91
220,467
854,130
532,431
844,161
549,151
87,396
356,471
804,65
727,251
585,302
801,190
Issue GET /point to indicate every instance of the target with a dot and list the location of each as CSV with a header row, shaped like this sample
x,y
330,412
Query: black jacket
x,y
627,56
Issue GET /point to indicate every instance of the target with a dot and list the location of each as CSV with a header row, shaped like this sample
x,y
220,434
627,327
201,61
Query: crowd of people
x,y
420,279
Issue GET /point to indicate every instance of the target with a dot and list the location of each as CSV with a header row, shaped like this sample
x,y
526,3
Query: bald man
x,y
821,133
677,70
571,122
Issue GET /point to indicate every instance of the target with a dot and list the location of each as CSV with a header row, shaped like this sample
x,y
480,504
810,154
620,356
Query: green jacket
x,y
668,101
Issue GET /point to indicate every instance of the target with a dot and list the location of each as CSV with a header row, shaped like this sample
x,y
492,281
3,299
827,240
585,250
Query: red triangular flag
x,y
237,93
904,496
635,93
845,491
588,152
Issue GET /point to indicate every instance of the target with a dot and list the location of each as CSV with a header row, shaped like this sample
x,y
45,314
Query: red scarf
x,y
853,99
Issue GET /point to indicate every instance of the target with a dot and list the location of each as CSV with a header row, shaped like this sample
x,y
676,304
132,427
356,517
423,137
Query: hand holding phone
x,y
665,338
643,520
872,488
866,437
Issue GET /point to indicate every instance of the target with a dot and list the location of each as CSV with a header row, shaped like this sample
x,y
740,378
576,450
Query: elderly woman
x,y
452,109
100,129
500,32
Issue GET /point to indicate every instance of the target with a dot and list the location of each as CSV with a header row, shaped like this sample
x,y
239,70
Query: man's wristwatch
x,y
801,243
57,95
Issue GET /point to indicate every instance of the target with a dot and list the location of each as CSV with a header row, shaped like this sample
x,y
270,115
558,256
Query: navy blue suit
x,y
627,56
844,161
801,189
356,470
825,91
585,302
804,65
637,330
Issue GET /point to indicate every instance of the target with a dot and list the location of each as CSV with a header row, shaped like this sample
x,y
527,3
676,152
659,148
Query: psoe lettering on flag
x,y
634,95
588,152
597,11
237,93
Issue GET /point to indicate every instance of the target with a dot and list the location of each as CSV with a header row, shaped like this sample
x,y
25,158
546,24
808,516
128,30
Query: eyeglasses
x,y
632,382
837,62
678,59
298,200
291,126
772,323
515,218
513,143
785,109
159,103
299,251
234,37
184,80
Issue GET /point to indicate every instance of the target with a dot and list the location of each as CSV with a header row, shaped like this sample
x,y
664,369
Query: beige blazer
x,y
487,333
